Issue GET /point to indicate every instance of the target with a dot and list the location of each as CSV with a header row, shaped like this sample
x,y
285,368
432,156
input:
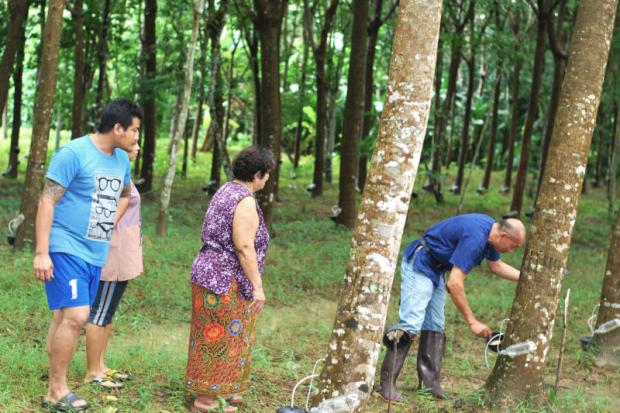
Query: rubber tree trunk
x,y
79,91
537,72
102,53
514,126
215,24
354,346
353,116
302,100
613,163
202,70
18,12
463,149
322,116
149,95
162,218
333,119
609,309
269,15
546,252
41,122
486,180
13,167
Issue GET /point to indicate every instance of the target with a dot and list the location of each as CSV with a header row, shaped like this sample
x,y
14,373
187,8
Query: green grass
x,y
304,268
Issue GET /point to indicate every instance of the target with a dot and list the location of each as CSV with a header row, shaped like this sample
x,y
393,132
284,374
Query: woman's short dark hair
x,y
251,160
120,111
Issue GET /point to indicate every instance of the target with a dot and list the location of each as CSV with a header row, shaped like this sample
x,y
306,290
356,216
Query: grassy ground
x,y
305,264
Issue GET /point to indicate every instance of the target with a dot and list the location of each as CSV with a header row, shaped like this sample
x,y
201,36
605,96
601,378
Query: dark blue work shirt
x,y
461,240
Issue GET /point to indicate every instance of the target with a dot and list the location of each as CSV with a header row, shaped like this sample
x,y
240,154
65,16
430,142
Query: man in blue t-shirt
x,y
87,188
453,246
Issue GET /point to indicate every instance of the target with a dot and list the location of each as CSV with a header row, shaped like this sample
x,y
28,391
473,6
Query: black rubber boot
x,y
398,343
430,355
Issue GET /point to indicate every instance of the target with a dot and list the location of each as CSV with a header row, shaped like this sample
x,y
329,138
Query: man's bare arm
x,y
123,203
456,287
503,270
52,192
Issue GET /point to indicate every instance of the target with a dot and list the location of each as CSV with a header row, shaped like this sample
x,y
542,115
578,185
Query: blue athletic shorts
x,y
109,295
74,284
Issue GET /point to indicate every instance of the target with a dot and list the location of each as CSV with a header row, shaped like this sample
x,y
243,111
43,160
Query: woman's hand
x,y
258,299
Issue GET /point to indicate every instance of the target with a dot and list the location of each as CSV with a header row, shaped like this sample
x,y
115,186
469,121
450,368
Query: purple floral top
x,y
217,264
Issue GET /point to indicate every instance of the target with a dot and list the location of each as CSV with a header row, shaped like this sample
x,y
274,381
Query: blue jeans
x,y
421,303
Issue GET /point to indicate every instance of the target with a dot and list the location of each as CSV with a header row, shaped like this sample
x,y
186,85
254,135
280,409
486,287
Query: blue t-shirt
x,y
93,182
461,240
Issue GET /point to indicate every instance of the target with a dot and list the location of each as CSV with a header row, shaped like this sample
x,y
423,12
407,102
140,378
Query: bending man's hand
x,y
480,329
43,267
258,300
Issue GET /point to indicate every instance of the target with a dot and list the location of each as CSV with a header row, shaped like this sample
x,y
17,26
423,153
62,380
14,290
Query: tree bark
x,y
609,343
215,25
353,116
486,181
537,72
13,167
333,119
319,50
42,117
79,81
18,12
471,71
202,70
514,126
546,252
268,22
102,53
302,100
149,95
349,367
162,218
613,162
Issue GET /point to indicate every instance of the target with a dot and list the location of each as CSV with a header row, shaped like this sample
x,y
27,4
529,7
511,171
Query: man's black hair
x,y
251,160
121,111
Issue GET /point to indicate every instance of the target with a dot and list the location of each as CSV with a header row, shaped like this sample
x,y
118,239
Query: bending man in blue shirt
x,y
455,245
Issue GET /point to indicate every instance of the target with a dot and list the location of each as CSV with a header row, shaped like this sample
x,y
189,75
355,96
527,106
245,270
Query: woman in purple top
x,y
227,290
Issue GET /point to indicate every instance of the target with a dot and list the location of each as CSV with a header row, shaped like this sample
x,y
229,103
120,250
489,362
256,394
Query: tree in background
x,y
546,252
353,117
350,363
42,117
162,218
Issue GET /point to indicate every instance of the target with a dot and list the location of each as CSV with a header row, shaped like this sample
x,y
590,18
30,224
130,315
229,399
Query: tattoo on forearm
x,y
53,190
126,191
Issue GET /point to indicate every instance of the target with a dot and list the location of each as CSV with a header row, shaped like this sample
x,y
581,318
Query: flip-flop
x,y
220,406
65,404
104,382
116,375
234,399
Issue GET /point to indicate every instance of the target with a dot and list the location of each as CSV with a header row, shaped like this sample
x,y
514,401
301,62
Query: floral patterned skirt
x,y
220,342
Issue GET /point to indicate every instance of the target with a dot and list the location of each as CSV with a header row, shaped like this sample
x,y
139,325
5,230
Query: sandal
x,y
116,375
66,404
104,382
220,405
234,399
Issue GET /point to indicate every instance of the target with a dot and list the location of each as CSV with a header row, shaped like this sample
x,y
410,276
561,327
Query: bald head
x,y
507,235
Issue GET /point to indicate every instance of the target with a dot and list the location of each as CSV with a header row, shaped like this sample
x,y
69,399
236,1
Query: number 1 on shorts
x,y
74,292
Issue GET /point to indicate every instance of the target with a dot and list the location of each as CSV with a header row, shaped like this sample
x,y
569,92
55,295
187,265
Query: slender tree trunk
x,y
18,12
442,120
215,25
5,126
41,122
353,116
486,181
102,54
202,65
149,95
268,25
471,72
186,136
333,112
252,41
13,167
322,115
546,252
537,72
79,92
229,91
162,218
514,126
609,343
353,349
613,163
300,108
